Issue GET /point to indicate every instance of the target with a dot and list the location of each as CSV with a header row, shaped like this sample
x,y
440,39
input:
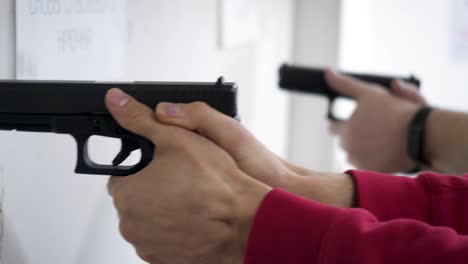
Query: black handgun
x,y
312,80
77,108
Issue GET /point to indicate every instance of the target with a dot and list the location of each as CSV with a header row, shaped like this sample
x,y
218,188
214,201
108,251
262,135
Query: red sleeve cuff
x,y
390,197
288,229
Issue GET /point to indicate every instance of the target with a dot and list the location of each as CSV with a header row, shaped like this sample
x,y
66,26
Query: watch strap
x,y
417,135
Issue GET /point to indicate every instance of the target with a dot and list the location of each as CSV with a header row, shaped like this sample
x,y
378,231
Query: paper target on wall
x,y
70,39
460,31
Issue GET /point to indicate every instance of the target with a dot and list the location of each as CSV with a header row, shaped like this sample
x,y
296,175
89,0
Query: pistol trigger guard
x,y
86,166
83,160
330,114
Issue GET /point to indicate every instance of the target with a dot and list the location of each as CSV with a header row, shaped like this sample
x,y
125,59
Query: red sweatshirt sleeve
x,y
439,200
290,229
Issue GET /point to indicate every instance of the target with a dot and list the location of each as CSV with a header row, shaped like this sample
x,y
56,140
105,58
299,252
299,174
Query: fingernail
x,y
402,84
171,109
119,98
334,73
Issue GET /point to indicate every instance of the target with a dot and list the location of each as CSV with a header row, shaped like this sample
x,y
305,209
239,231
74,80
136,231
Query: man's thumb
x,y
408,91
223,130
130,114
346,85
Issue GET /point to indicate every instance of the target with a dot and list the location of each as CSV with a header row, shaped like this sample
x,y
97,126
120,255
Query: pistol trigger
x,y
125,151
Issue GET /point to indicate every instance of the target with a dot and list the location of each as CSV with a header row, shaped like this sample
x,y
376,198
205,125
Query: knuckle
x,y
145,256
124,203
136,116
200,107
239,137
128,231
114,184
111,186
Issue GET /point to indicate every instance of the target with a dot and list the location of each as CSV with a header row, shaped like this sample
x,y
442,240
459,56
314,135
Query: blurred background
x,y
50,215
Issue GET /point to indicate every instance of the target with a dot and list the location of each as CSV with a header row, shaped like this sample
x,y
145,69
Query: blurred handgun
x,y
312,80
78,108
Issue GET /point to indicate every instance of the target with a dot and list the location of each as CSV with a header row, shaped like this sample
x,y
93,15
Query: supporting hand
x,y
192,203
375,137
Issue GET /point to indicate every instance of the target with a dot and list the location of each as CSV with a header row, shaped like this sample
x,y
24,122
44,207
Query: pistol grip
x,y
87,166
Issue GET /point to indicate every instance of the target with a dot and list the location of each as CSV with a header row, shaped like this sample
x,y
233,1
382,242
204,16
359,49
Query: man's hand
x,y
254,158
408,92
191,204
250,155
375,137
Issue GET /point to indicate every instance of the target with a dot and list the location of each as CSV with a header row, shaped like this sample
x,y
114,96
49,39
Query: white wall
x,y
54,216
403,37
7,64
152,56
316,39
376,36
398,36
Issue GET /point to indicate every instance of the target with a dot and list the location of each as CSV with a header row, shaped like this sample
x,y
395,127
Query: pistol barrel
x,y
312,80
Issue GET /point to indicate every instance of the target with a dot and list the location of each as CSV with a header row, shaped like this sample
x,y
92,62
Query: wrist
x,y
445,142
332,189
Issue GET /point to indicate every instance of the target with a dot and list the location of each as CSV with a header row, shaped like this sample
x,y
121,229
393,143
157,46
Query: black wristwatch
x,y
416,137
